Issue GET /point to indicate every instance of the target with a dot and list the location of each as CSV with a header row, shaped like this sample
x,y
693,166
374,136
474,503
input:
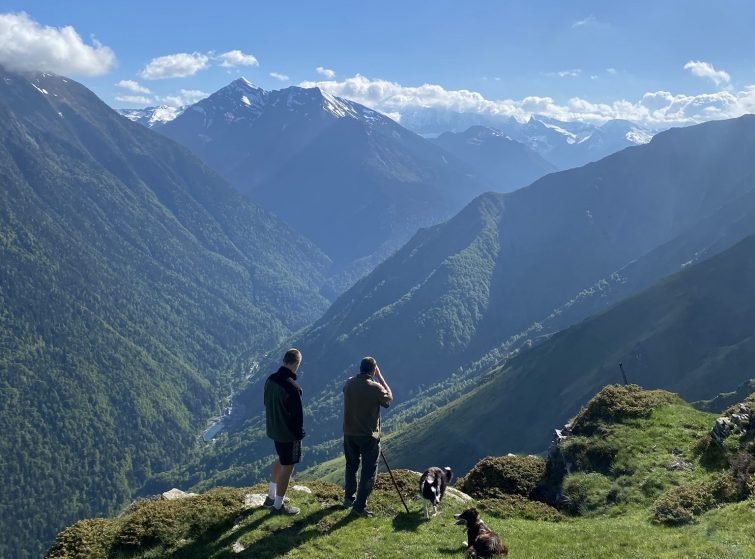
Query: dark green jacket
x,y
284,411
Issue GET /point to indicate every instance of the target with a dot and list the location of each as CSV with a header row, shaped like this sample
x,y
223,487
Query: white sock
x,y
278,501
271,489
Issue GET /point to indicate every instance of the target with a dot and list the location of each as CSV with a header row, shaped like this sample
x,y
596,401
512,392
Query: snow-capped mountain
x,y
351,179
152,117
564,144
503,161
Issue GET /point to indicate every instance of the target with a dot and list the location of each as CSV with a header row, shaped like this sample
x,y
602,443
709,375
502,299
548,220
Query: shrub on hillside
x,y
86,538
495,477
682,504
616,403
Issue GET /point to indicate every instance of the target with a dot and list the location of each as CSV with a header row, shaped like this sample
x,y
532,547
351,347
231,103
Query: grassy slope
x,y
204,527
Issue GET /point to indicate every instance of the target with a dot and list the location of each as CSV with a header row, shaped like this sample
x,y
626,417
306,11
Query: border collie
x,y
432,487
481,540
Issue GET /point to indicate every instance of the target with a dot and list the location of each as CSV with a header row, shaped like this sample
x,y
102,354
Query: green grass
x,y
324,529
641,460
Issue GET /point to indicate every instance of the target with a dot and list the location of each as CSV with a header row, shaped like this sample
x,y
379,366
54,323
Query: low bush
x,y
616,403
495,477
681,505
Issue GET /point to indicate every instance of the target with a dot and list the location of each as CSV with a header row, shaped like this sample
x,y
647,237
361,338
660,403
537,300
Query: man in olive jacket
x,y
284,415
363,396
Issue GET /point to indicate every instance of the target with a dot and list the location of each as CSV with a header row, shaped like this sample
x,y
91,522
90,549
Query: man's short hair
x,y
292,357
367,365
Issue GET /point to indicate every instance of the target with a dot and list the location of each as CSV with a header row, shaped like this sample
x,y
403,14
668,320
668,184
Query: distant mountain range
x,y
509,260
563,144
131,280
503,162
511,269
152,117
348,178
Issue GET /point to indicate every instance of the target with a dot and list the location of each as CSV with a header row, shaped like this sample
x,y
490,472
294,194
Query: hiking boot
x,y
286,509
364,513
268,504
348,502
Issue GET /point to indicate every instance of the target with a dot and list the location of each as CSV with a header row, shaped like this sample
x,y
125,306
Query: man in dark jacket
x,y
363,396
284,416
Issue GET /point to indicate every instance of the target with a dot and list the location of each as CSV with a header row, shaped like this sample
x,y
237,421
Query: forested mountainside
x,y
131,279
692,333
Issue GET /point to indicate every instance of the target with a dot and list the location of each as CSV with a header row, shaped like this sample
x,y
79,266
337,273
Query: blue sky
x,y
648,60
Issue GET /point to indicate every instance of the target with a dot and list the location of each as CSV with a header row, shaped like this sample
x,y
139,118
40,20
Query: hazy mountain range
x,y
511,269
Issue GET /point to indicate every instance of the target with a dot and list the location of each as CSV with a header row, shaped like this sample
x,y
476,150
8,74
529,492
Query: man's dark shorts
x,y
288,453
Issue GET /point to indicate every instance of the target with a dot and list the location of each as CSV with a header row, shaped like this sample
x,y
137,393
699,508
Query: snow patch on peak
x,y
637,136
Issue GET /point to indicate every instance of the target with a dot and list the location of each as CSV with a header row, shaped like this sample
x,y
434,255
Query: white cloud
x,y
131,85
25,45
279,77
706,70
653,109
179,65
611,71
135,99
589,20
237,58
325,72
185,97
574,73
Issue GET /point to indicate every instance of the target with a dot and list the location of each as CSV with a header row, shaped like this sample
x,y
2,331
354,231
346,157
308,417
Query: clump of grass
x,y
495,477
588,454
587,493
516,506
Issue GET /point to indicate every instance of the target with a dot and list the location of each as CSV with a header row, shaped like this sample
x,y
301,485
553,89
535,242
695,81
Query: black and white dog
x,y
432,487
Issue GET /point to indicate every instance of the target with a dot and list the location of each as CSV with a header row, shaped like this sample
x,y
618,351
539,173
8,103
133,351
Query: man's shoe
x,y
348,502
268,504
364,513
286,509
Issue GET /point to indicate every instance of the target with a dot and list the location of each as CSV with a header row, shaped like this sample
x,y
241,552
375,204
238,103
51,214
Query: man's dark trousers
x,y
368,449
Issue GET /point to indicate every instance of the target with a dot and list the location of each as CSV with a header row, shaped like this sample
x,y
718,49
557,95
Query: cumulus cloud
x,y
653,109
237,58
134,99
25,45
325,72
185,97
179,65
132,85
706,70
279,77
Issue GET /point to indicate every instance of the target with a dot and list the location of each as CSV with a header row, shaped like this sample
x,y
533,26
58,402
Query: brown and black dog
x,y
481,540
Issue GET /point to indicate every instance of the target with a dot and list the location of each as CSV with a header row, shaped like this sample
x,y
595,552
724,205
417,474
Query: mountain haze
x,y
131,278
503,162
350,179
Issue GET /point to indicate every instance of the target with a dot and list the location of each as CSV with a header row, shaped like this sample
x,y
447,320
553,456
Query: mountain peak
x,y
243,83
